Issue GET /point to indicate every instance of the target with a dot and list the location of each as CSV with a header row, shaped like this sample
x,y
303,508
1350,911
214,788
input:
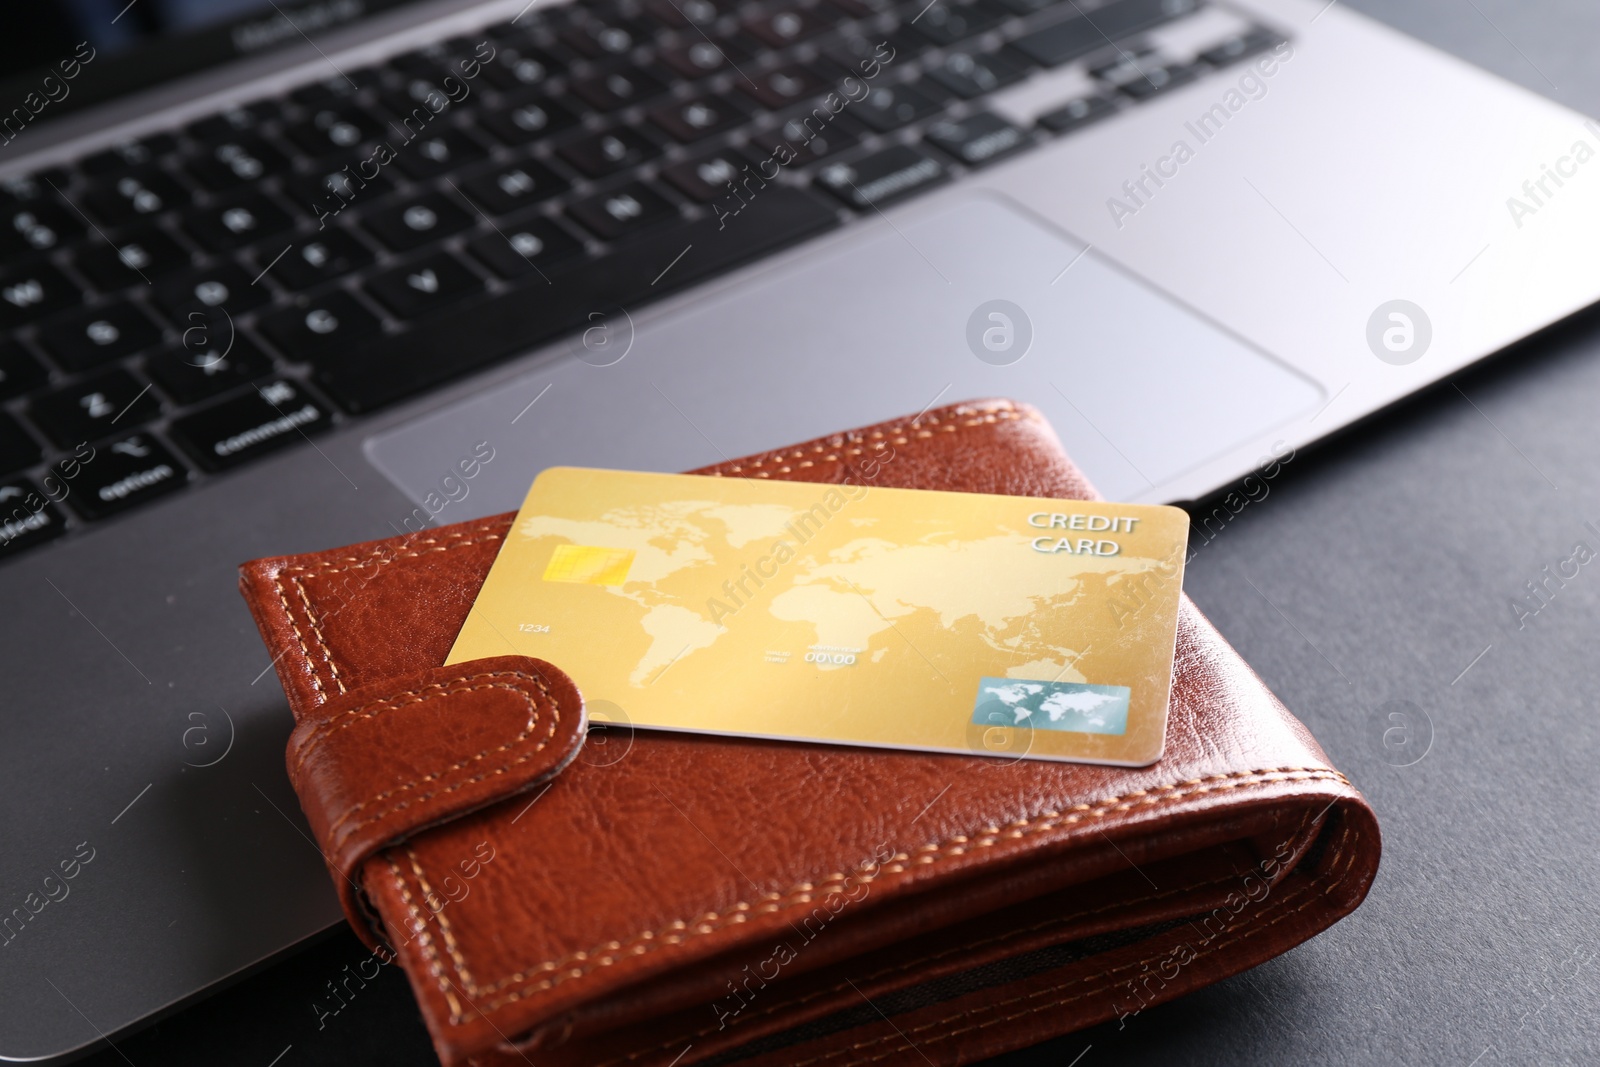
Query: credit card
x,y
851,614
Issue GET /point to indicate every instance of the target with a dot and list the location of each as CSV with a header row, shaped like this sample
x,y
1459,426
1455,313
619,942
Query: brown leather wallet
x,y
656,899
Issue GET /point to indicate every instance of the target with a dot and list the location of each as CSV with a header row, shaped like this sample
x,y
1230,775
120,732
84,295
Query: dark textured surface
x,y
1395,551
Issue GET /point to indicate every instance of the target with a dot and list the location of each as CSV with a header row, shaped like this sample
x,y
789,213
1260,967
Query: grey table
x,y
1376,579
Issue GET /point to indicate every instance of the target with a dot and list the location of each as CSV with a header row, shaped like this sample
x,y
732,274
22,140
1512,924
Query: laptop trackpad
x,y
975,299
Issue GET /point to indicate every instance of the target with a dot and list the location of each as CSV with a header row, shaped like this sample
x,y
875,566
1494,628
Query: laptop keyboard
x,y
179,305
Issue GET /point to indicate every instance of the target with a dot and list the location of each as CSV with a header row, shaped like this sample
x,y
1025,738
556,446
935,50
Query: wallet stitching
x,y
790,455
555,722
420,931
316,632
923,961
710,922
1244,933
444,924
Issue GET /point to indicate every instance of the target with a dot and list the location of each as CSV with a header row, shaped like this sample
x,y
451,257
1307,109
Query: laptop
x,y
274,276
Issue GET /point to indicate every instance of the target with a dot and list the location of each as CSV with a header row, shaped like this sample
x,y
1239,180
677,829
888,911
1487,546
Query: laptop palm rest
x,y
970,297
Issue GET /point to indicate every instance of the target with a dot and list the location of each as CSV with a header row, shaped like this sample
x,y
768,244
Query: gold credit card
x,y
949,622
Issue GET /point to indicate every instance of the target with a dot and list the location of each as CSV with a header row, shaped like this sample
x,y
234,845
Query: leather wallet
x,y
651,899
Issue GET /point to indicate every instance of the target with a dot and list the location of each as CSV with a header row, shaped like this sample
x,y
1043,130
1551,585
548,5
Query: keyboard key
x,y
330,254
618,89
37,227
94,336
525,121
240,220
240,161
417,220
602,40
424,286
123,474
531,247
789,25
382,370
970,75
946,24
1077,34
517,68
860,55
17,450
332,131
129,155
688,121
318,325
881,178
26,518
93,407
701,58
33,291
1159,80
802,140
506,187
337,88
221,285
236,431
428,157
1079,112
707,178
978,139
625,212
330,190
785,85
888,107
134,197
234,121
19,372
686,13
141,254
190,373
601,154
1241,46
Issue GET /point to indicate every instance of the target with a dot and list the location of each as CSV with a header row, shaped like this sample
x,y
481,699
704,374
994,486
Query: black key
x,y
686,13
881,178
135,196
129,155
235,120
530,247
1159,80
789,25
945,24
19,372
889,107
688,121
862,56
526,120
706,178
236,162
338,88
417,220
26,518
328,322
326,193
190,373
329,254
141,254
93,407
237,221
31,292
862,9
506,187
607,153
332,131
379,371
974,74
603,40
37,227
1079,34
1242,46
441,151
17,449
424,286
94,336
785,85
625,212
803,139
1079,112
236,431
618,89
978,139
123,474
221,285
22,189
700,58
519,68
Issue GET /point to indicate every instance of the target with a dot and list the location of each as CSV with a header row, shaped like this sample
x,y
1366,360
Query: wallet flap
x,y
389,760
